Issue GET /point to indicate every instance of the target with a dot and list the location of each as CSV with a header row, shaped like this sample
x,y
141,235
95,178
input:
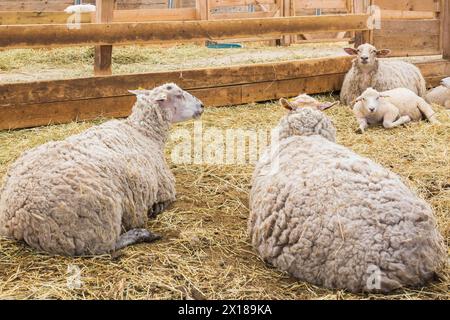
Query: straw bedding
x,y
205,253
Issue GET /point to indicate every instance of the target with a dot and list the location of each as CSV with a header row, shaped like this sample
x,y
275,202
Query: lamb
x,y
330,217
304,100
80,8
94,192
369,71
440,95
391,108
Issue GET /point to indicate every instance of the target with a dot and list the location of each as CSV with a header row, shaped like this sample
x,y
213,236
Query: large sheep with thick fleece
x,y
369,71
328,216
441,94
391,108
93,192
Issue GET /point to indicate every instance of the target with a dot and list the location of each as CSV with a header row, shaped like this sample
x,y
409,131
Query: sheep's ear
x,y
161,97
327,105
351,51
383,52
286,104
139,92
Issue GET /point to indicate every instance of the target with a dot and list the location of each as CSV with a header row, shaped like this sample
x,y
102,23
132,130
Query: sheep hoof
x,y
136,236
157,208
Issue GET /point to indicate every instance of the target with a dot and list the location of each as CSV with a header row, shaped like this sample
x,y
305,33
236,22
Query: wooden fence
x,y
44,102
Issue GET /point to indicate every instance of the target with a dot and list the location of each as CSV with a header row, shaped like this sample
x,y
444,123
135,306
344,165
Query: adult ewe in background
x,y
91,193
328,216
369,71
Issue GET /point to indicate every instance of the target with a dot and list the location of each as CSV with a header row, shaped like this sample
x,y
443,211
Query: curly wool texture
x,y
335,219
77,196
382,76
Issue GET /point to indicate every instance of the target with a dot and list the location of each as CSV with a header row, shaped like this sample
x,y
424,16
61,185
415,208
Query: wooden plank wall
x,y
409,27
48,102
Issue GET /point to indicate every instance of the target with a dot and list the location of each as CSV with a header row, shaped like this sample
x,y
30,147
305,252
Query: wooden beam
x,y
47,102
36,17
446,29
103,53
174,31
118,85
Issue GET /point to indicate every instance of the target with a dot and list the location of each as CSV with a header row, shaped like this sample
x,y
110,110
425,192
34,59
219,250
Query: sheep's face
x,y
178,104
370,100
305,101
446,82
367,54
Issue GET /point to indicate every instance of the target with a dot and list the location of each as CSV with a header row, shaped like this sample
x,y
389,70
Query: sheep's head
x,y
446,82
305,101
307,122
367,54
177,103
370,100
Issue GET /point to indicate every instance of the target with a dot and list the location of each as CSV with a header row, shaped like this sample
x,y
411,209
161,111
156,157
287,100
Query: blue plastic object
x,y
223,45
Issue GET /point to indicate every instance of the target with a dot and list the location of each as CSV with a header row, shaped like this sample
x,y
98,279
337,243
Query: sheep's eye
x,y
169,88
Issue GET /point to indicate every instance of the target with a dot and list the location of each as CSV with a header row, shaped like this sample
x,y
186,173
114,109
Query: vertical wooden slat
x,y
202,7
446,29
361,6
103,54
287,10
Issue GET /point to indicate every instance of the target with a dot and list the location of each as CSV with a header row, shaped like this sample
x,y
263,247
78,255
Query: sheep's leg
x,y
157,208
427,111
389,124
135,236
362,125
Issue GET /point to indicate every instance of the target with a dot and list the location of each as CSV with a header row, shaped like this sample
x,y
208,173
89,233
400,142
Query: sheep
x,y
93,193
368,71
391,108
80,8
440,95
330,217
304,100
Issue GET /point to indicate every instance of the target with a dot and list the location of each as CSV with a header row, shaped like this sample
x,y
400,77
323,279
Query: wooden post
x,y
361,6
103,54
202,7
287,10
445,16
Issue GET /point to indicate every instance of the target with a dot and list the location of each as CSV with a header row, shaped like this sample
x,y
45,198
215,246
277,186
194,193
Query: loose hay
x,y
205,252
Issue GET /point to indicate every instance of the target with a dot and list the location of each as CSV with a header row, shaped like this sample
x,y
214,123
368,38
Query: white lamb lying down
x,y
391,108
80,8
330,217
440,95
92,193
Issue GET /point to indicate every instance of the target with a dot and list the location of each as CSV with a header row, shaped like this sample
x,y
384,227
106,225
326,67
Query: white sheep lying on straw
x,y
391,108
440,95
328,216
93,192
305,101
369,71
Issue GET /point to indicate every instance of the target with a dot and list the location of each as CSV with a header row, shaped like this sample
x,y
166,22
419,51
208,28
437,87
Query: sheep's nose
x,y
371,109
364,58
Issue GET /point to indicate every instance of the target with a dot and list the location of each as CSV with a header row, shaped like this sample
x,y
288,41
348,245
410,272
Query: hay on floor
x,y
205,252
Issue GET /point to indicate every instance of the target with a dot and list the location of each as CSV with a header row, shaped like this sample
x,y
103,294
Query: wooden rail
x,y
26,36
48,102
